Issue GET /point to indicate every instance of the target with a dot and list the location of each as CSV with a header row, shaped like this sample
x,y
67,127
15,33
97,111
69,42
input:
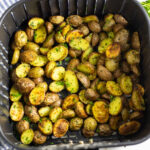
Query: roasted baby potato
x,y
39,138
28,56
92,76
76,123
15,95
55,114
15,57
49,27
90,124
44,111
136,115
22,125
20,38
88,38
82,97
68,113
135,41
74,53
35,23
56,19
125,114
59,37
94,84
31,112
108,25
58,103
91,94
73,63
84,29
86,68
66,29
16,111
100,111
128,128
50,98
79,109
22,70
75,20
111,64
79,44
37,95
120,19
56,86
43,85
25,85
30,34
114,122
104,130
60,128
27,136
104,73
89,18
117,27
101,87
14,77
71,81
87,133
135,69
115,106
94,26
126,84
44,50
83,79
45,126
32,47
49,42
89,108
93,58
95,39
86,54
113,88
49,67
70,101
36,72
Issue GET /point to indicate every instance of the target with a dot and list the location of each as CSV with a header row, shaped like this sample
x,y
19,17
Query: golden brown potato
x,y
94,57
36,72
106,96
100,111
66,29
20,38
101,87
89,109
125,114
117,27
31,112
84,29
14,77
91,94
90,124
128,128
125,67
102,36
135,41
89,18
111,64
87,133
14,46
60,128
85,55
57,103
39,138
44,111
104,73
22,125
49,27
49,67
117,73
67,114
56,19
104,130
76,123
95,39
38,80
79,109
82,97
59,37
49,42
15,57
94,84
75,20
83,79
73,63
108,25
94,26
32,47
74,53
43,85
30,34
35,22
135,69
136,115
101,60
50,98
114,122
45,126
25,85
120,19
140,88
57,86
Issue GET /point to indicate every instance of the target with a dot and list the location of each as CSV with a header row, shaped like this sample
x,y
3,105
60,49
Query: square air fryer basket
x,y
23,10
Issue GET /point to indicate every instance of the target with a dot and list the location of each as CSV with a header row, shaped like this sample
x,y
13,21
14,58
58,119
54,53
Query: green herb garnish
x,y
67,59
26,118
146,5
111,98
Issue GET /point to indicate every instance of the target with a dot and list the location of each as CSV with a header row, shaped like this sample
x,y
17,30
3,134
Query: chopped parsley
x,y
111,98
67,59
51,142
26,118
97,130
60,82
91,103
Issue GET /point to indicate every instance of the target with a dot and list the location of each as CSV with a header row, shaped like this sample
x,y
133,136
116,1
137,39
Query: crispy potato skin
x,y
94,26
75,20
105,130
30,34
72,65
60,127
22,125
76,123
91,94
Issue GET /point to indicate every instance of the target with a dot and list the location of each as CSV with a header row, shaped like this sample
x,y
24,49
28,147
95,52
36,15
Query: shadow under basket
x,y
23,10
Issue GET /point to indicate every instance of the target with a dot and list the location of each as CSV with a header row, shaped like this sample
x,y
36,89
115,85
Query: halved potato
x,y
55,114
40,35
129,128
43,85
113,88
57,53
37,95
88,38
115,106
88,109
86,54
113,50
56,86
45,126
35,23
32,47
15,56
66,29
27,136
60,128
89,18
49,67
100,111
59,37
73,63
92,76
86,67
49,42
67,114
22,70
114,122
79,44
70,101
93,58
76,123
44,111
39,61
36,72
101,87
57,73
16,111
56,19
44,50
15,95
71,81
83,98
73,35
91,94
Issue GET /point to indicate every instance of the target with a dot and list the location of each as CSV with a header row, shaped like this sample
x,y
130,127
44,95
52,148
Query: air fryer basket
x,y
24,10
